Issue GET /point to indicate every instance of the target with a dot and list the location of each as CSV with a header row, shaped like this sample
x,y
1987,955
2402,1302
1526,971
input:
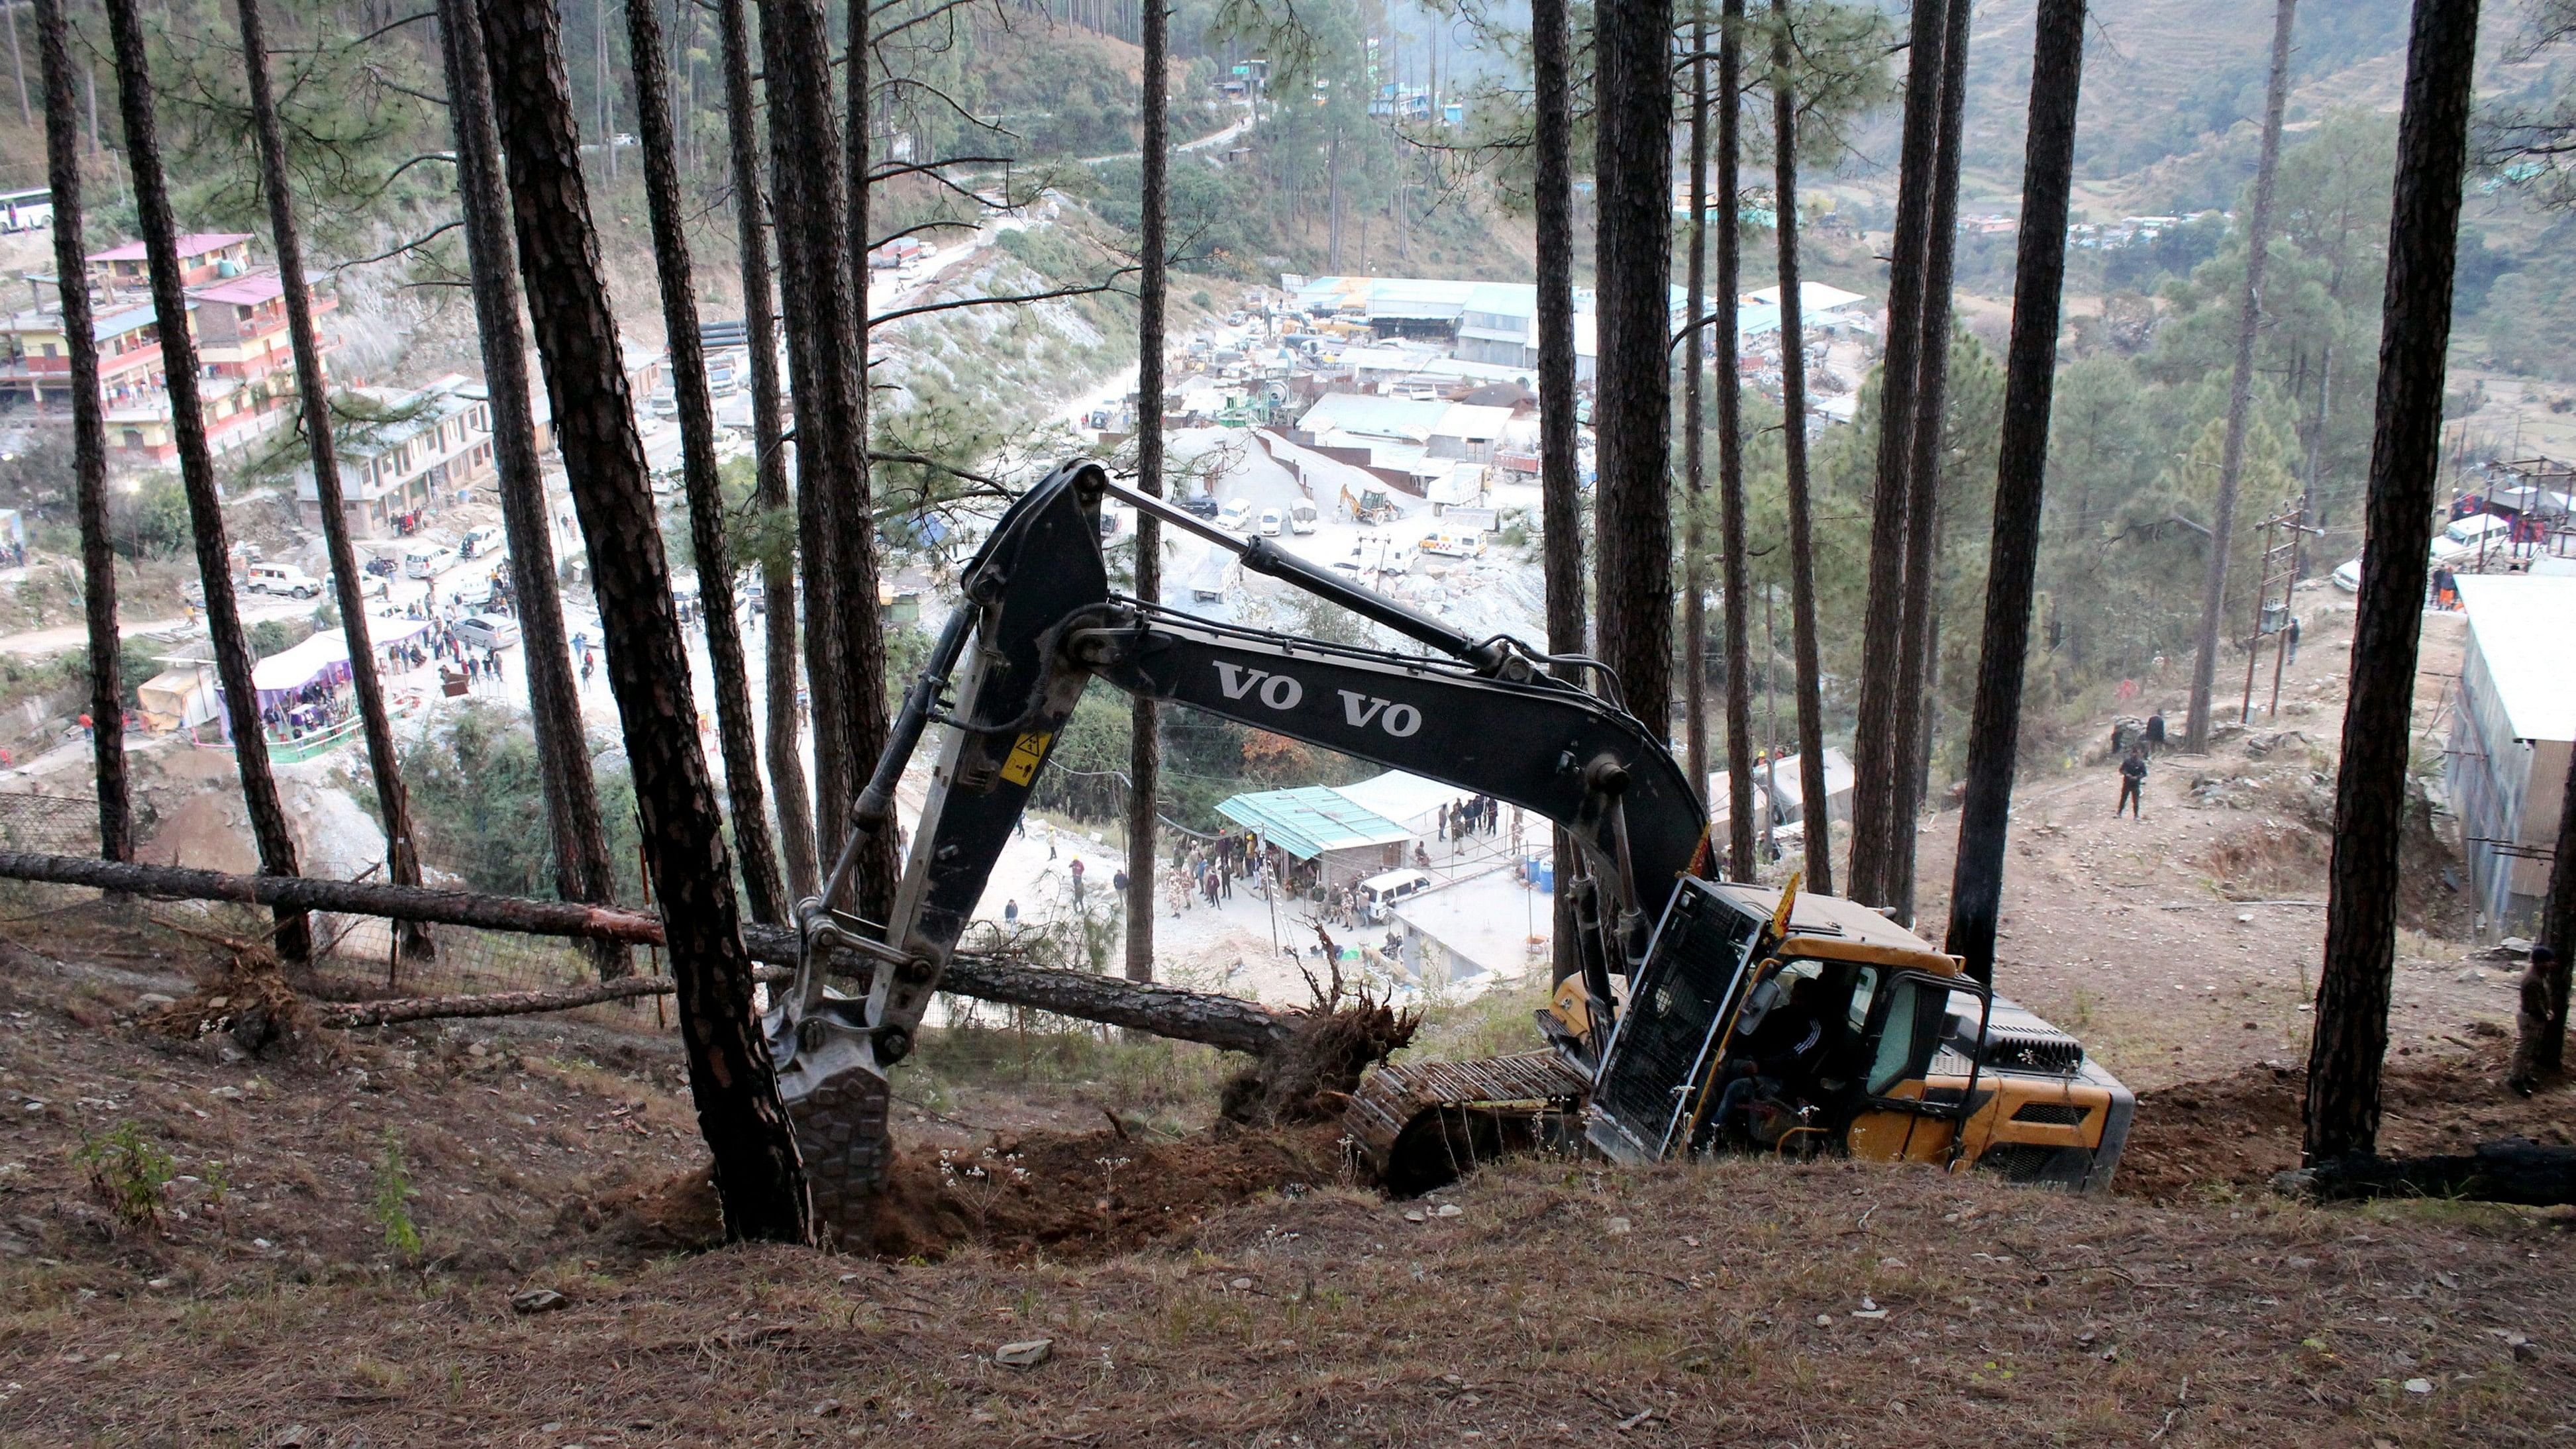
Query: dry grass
x,y
1695,1305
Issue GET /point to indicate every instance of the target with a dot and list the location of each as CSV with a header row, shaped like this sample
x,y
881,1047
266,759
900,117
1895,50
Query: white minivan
x,y
427,560
287,579
2467,535
1381,891
1236,515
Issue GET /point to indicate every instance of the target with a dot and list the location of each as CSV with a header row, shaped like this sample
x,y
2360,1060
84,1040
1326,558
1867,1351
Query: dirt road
x,y
2184,945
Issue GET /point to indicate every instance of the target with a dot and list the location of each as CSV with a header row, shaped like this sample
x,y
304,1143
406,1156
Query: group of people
x,y
308,709
1475,815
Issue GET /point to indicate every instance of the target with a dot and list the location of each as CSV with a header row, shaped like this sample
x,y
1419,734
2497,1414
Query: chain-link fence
x,y
52,824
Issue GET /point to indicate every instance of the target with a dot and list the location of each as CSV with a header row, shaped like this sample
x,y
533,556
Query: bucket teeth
x,y
841,1133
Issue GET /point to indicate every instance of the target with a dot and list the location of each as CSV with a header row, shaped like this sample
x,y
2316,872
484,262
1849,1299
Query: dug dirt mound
x,y
1068,1196
2238,1130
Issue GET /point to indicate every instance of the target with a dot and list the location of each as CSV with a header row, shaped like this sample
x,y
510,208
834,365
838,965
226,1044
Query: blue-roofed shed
x,y
1318,823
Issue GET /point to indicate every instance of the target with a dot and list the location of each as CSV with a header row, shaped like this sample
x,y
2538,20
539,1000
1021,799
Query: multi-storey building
x,y
428,448
236,316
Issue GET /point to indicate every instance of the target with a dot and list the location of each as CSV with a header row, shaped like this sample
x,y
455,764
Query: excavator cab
x,y
1889,1051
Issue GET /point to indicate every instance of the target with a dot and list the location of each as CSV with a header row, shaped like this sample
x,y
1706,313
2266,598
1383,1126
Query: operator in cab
x,y
1774,1058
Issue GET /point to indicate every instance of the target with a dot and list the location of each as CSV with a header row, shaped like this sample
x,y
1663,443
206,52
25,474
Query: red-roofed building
x,y
202,259
236,316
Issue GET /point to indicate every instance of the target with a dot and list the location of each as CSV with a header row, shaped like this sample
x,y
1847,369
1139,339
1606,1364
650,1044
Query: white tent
x,y
1408,800
296,666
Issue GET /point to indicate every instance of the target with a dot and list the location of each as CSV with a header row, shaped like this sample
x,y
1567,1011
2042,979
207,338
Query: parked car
x,y
1272,522
483,632
1236,515
287,579
2466,536
1199,505
477,540
1301,517
427,560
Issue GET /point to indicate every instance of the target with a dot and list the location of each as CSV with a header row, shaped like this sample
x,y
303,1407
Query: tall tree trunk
x,y
1909,743
1144,738
2021,471
803,146
402,855
1730,451
778,574
758,1176
2240,391
1560,500
18,65
2351,1038
1874,785
672,267
197,467
1632,399
89,436
862,661
1694,428
1814,801
582,868
2548,1054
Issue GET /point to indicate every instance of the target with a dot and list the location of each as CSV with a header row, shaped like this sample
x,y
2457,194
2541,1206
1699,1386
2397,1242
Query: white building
x,y
2508,753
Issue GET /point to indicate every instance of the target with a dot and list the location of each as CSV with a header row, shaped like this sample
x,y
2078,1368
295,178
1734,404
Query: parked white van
x,y
427,560
2467,535
287,579
1236,516
1455,545
1381,891
1301,517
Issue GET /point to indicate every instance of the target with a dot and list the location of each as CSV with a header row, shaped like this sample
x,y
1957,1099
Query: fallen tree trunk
x,y
345,1015
2514,1170
1170,1011
352,898
1183,1015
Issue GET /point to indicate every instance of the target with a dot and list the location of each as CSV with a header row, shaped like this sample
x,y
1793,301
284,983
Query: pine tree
x,y
1560,501
1144,743
2240,393
1976,891
1814,800
579,838
402,854
197,468
2350,1043
769,439
765,893
758,1176
89,436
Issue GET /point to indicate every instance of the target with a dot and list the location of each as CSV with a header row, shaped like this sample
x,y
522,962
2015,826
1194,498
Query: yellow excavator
x,y
1702,1015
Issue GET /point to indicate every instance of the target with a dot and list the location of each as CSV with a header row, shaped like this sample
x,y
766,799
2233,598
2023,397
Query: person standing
x,y
2533,1020
1011,912
2291,637
2133,784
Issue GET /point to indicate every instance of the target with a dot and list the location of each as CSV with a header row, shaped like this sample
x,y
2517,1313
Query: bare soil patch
x,y
2231,1134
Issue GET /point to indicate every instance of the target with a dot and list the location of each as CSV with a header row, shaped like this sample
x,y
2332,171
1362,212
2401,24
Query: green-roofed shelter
x,y
1317,823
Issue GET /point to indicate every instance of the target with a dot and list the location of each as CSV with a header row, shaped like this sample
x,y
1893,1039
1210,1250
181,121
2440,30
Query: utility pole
x,y
2282,533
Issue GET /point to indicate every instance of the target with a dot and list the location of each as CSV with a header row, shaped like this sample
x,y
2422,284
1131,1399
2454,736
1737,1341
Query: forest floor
x,y
1191,1283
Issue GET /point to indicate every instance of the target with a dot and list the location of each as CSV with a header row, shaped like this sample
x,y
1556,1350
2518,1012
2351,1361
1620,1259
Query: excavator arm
x,y
1039,621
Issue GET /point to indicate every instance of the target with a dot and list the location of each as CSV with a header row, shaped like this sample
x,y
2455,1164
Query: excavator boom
x,y
1038,622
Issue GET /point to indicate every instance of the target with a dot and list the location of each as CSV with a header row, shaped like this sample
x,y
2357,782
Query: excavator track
x,y
1425,1124
841,1134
